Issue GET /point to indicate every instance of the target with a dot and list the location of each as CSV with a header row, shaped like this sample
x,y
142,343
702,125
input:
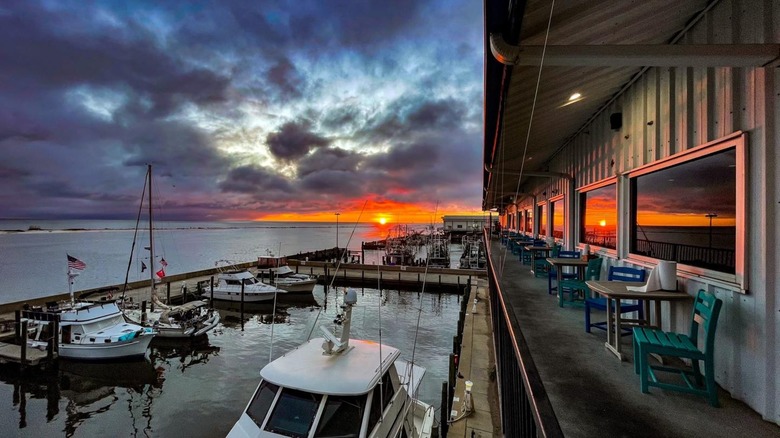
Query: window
x,y
293,413
529,222
383,395
689,208
259,406
541,209
342,417
557,213
598,218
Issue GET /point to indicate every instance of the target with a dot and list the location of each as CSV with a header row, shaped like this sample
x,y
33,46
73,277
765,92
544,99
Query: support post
x,y
24,342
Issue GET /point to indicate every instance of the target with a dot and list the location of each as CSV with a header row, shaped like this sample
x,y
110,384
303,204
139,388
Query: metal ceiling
x,y
574,22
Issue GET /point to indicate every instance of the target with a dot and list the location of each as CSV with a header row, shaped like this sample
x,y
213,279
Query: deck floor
x,y
595,394
13,353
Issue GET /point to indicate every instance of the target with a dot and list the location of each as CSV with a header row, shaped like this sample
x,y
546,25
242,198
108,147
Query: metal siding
x,y
689,107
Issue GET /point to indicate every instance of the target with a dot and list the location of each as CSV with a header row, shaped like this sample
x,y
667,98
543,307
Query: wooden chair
x,y
616,273
552,274
572,286
648,340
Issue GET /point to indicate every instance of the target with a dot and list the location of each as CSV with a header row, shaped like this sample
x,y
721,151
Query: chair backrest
x,y
569,254
622,273
593,271
556,251
705,314
539,242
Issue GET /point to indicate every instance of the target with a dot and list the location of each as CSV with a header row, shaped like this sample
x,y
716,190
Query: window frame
x,y
541,212
553,200
613,180
738,141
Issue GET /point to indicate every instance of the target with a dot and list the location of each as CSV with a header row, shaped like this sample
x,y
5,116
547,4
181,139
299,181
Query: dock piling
x,y
23,343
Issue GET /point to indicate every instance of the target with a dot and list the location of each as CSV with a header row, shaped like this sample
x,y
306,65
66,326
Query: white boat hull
x,y
250,297
133,348
300,286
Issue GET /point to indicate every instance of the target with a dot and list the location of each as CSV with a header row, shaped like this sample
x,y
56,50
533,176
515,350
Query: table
x,y
615,291
559,263
537,249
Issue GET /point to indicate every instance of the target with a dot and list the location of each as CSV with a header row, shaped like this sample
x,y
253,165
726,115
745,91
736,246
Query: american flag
x,y
163,262
74,263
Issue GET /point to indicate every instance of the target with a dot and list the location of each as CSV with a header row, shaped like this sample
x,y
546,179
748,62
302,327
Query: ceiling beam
x,y
624,55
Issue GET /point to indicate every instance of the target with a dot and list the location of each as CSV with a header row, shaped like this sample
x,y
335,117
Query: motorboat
x,y
231,283
90,331
191,319
337,387
194,318
275,271
473,256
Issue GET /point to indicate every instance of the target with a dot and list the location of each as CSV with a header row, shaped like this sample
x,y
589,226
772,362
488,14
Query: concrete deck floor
x,y
595,394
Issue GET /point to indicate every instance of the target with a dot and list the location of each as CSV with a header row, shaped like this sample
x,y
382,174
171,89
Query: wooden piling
x,y
168,294
143,311
23,344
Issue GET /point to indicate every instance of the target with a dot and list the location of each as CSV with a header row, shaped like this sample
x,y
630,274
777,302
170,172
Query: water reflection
x,y
265,312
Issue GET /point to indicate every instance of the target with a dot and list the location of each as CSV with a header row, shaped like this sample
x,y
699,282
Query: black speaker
x,y
616,121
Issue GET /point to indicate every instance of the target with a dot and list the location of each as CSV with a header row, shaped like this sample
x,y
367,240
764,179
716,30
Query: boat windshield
x,y
294,413
341,417
249,281
259,406
103,324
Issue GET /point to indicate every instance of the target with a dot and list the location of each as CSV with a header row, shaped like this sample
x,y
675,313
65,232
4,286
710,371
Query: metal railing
x,y
702,256
525,408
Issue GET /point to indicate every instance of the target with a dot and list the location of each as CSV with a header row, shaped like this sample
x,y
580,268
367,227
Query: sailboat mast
x,y
151,237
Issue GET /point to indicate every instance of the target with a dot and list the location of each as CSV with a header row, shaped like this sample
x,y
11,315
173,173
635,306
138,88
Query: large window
x,y
598,218
558,221
541,215
529,221
687,208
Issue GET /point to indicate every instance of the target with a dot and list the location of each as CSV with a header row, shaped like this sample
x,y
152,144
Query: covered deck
x,y
590,391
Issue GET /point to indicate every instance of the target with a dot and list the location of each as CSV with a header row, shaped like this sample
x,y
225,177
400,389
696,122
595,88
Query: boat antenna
x,y
338,265
379,288
135,235
273,323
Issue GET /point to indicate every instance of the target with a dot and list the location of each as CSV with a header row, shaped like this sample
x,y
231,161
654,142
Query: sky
x,y
247,110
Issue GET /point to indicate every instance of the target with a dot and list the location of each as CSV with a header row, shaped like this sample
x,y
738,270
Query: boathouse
x,y
640,132
465,223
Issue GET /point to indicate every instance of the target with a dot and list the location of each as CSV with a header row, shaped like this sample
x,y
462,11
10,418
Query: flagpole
x,y
70,285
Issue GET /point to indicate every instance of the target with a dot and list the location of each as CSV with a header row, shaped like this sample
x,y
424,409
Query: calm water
x,y
34,263
200,390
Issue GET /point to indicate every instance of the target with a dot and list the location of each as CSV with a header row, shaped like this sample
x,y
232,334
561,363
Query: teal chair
x,y
541,266
573,286
648,341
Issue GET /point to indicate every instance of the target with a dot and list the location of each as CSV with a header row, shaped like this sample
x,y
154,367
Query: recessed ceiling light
x,y
574,97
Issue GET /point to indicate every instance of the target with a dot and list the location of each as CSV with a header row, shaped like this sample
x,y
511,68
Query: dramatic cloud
x,y
243,109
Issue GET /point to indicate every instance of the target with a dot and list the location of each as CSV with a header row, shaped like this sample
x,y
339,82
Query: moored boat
x,y
230,283
276,272
337,387
93,331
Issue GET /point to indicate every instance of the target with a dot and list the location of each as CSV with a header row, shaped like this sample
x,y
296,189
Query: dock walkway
x,y
476,364
13,353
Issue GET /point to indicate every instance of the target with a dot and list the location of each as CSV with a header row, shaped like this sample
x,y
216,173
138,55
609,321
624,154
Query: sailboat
x,y
88,330
191,319
338,387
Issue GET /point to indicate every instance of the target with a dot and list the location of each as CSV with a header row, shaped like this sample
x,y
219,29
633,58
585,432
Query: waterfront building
x,y
645,132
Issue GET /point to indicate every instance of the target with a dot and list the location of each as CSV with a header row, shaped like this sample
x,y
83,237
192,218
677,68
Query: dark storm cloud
x,y
53,49
92,92
286,79
254,180
412,116
294,140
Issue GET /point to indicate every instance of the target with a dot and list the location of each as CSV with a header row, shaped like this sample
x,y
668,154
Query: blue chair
x,y
573,286
616,273
648,340
552,274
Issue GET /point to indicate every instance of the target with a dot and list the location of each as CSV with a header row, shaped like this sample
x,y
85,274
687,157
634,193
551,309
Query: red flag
x,y
163,262
143,266
160,273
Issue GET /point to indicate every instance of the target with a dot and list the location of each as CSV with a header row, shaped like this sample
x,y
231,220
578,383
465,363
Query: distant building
x,y
465,224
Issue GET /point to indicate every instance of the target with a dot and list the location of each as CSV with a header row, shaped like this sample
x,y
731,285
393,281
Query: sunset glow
x,y
382,220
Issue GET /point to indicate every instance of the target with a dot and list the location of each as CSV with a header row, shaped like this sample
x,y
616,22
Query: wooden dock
x,y
14,353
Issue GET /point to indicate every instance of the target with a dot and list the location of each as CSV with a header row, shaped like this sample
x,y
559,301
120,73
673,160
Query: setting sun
x,y
603,223
382,220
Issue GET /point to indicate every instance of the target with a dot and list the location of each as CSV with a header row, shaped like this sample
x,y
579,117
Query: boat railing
x,y
525,408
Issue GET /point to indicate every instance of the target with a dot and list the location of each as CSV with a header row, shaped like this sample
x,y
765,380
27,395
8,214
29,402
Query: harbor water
x,y
199,390
184,389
